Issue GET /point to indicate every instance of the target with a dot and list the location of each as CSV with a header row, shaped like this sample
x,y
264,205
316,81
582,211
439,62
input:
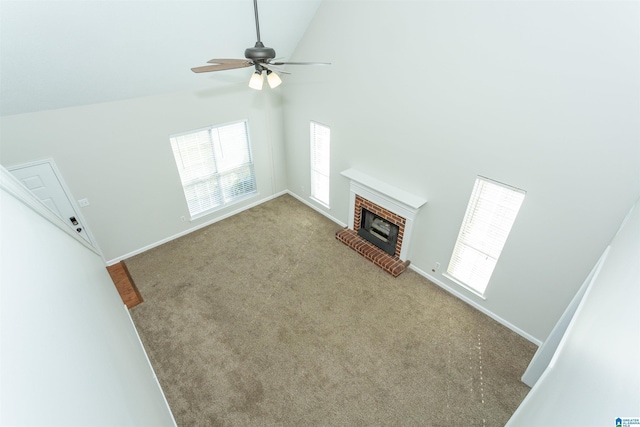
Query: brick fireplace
x,y
393,208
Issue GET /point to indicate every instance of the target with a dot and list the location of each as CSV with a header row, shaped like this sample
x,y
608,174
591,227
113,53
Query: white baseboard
x,y
191,230
315,208
153,372
476,305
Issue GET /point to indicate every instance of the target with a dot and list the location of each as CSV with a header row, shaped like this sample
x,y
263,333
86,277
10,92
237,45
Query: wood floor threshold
x,y
124,284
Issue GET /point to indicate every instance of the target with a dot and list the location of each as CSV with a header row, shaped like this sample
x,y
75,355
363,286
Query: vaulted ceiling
x,y
63,53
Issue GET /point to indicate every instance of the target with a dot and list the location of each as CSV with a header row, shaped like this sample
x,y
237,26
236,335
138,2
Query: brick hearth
x,y
392,264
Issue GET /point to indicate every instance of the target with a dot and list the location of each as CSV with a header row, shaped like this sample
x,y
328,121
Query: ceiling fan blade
x,y
300,63
227,61
217,66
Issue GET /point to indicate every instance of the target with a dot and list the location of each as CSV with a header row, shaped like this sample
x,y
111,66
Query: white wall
x,y
593,377
543,96
118,156
70,355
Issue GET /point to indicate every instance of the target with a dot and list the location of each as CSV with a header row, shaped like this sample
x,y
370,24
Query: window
x,y
492,209
320,149
215,166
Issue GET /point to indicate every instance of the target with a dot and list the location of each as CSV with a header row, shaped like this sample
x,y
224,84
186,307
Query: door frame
x,y
67,192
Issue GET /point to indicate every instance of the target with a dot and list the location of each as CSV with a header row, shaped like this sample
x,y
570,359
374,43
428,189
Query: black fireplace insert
x,y
378,231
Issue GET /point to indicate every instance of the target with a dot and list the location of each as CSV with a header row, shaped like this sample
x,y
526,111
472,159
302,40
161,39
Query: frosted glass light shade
x,y
256,81
273,79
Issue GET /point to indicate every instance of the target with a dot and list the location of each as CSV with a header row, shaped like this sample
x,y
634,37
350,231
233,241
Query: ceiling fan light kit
x,y
256,80
260,57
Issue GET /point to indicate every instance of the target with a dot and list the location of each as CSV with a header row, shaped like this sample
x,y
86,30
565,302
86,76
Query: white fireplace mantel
x,y
407,199
389,197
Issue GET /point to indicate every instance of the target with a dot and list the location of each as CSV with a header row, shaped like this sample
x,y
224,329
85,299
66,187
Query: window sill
x,y
465,286
223,206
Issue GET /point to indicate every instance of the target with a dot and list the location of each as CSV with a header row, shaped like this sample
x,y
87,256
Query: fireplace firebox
x,y
378,231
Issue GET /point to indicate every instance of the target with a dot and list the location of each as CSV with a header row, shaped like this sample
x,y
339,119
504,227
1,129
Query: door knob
x,y
73,220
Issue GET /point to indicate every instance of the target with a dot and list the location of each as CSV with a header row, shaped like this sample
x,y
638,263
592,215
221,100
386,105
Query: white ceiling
x,y
63,53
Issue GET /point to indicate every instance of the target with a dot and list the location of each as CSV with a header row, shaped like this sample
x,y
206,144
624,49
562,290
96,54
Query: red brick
x,y
391,264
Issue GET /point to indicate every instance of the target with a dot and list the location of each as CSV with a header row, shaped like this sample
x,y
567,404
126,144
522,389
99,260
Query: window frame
x,y
218,175
314,171
489,237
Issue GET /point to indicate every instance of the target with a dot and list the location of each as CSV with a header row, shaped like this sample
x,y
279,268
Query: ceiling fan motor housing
x,y
259,53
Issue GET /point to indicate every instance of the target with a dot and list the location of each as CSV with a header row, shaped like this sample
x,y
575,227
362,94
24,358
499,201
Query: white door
x,y
47,185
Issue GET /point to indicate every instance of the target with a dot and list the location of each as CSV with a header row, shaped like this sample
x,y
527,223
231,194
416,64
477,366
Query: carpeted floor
x,y
266,319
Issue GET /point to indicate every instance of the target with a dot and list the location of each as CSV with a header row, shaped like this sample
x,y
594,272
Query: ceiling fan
x,y
259,56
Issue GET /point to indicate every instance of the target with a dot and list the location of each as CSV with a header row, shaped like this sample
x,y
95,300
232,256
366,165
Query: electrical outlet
x,y
437,265
183,218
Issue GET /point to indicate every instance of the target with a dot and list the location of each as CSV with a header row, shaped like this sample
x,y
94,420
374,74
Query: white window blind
x,y
215,166
490,214
320,162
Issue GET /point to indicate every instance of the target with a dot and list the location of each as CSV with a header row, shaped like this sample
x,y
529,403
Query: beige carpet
x,y
266,319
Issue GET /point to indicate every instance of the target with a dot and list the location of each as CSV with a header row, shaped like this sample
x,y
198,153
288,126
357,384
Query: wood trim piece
x,y
124,284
